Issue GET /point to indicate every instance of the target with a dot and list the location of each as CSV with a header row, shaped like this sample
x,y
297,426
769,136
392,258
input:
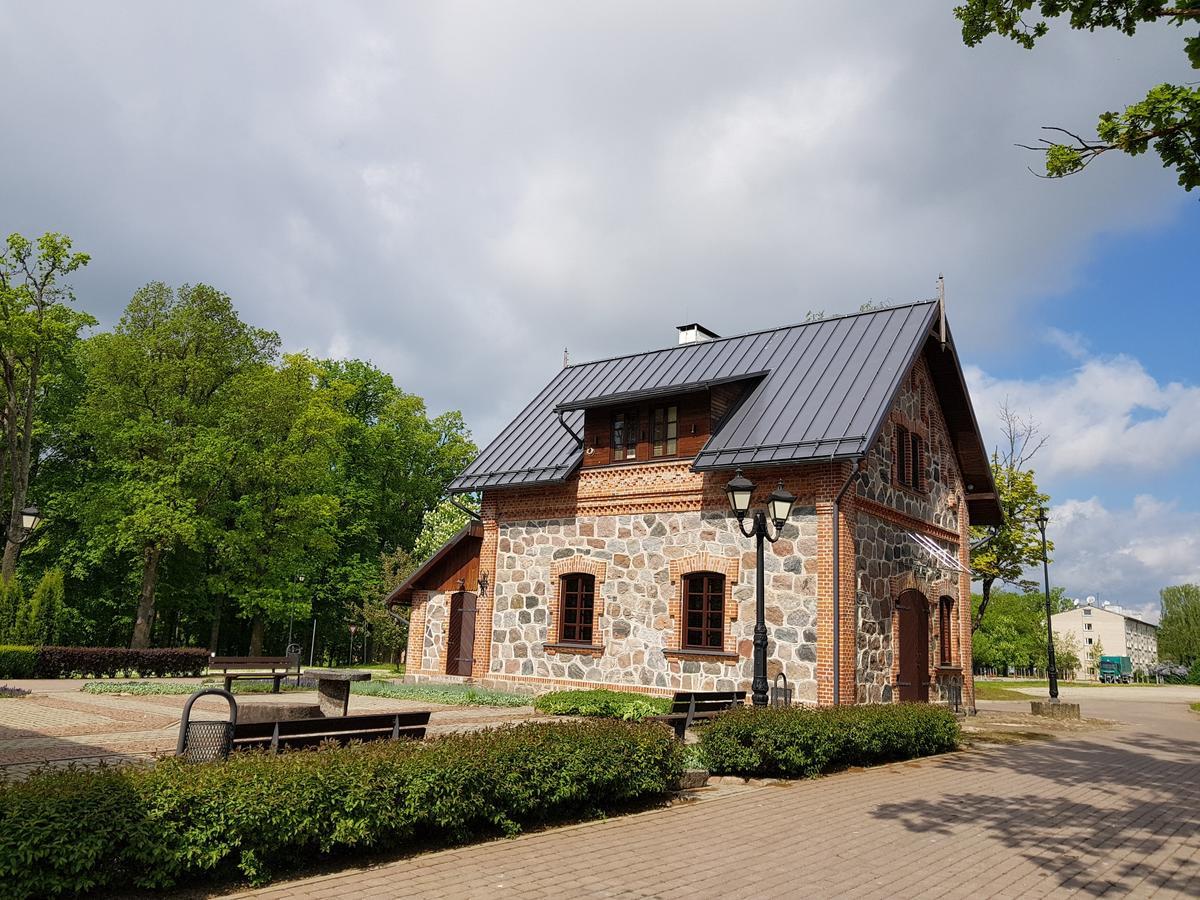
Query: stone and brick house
x,y
606,553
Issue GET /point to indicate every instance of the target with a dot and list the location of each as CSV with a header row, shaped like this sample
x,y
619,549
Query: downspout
x,y
474,514
567,428
837,583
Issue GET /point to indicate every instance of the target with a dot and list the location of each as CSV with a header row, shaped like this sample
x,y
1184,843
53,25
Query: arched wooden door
x,y
460,641
912,685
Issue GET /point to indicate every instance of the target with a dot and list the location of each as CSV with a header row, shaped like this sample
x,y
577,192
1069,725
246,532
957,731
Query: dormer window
x,y
625,434
665,441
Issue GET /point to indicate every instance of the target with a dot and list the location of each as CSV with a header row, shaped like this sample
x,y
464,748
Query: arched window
x,y
946,629
704,611
577,602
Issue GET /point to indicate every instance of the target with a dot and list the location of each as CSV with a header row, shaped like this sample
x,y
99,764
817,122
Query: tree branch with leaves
x,y
1167,118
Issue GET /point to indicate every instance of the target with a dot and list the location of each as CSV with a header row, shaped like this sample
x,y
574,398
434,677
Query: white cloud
x,y
1107,414
1123,554
516,177
1072,343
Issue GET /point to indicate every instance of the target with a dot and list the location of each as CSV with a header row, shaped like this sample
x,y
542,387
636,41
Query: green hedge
x,y
802,742
17,662
607,704
69,831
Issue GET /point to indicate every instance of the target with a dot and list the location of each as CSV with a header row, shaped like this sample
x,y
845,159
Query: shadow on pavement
x,y
1138,793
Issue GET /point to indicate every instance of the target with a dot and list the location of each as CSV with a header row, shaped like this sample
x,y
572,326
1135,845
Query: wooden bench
x,y
276,668
688,706
293,734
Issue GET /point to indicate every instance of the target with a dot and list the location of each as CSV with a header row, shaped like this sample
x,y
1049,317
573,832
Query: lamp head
x,y
739,491
779,505
31,517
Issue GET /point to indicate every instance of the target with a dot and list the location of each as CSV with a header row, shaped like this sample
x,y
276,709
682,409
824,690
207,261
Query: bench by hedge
x,y
690,706
293,734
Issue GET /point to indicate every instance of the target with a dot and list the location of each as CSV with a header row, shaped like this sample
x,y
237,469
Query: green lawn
x,y
990,690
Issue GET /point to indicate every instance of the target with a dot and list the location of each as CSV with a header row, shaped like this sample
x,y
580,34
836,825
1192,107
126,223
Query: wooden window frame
x,y
573,588
946,630
712,588
663,437
626,450
910,455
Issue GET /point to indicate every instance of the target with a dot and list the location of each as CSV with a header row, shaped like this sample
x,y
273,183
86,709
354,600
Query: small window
x,y
915,463
666,431
578,602
902,448
625,435
704,611
1087,626
1087,612
1089,640
946,629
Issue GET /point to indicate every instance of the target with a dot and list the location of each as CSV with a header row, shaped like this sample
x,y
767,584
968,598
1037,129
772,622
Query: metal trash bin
x,y
205,740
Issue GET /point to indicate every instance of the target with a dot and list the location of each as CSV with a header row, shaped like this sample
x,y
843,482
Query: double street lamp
x,y
1051,667
740,491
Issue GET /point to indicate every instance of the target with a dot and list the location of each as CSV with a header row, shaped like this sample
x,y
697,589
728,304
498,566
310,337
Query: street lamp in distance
x,y
740,491
1051,667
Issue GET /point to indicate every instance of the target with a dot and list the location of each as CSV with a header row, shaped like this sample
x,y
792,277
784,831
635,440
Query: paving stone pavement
x,y
1113,813
66,726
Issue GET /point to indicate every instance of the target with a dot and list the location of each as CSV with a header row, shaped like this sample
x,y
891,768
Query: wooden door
x,y
913,682
460,641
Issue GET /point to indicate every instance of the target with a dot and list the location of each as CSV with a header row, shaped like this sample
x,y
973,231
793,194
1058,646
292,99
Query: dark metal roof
x,y
825,390
403,591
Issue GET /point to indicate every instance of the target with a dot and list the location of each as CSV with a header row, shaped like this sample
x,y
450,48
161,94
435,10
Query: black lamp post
x,y
1051,667
740,490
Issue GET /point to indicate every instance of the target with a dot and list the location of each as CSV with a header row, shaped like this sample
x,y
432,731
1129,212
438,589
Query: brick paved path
x,y
68,726
1114,812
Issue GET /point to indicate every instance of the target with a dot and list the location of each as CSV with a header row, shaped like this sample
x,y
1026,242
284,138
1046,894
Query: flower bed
x,y
602,703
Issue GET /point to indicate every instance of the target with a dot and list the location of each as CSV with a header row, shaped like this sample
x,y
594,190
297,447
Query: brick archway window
x,y
704,611
946,630
577,602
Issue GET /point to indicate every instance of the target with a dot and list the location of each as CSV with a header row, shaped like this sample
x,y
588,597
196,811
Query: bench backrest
x,y
294,733
706,701
269,663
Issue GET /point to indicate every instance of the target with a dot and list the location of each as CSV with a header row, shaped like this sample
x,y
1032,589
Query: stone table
x,y
333,688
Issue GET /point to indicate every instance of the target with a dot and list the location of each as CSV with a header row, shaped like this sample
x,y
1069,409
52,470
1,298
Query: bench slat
x,y
329,727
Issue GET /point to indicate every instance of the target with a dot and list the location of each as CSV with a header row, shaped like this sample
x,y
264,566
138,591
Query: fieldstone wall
x,y
886,558
636,636
917,409
437,621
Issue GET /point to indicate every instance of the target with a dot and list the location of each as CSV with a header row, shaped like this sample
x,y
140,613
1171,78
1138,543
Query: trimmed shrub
x,y
65,831
803,742
602,703
106,662
17,662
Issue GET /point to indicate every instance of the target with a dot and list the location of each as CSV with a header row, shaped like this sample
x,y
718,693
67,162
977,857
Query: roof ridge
x,y
745,334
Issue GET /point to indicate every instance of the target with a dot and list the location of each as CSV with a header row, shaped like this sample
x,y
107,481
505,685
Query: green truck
x,y
1116,670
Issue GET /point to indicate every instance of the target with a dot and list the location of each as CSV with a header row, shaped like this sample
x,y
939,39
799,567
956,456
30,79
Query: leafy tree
x,y
1094,654
154,397
1169,115
1179,627
1006,552
282,442
1013,636
37,330
439,525
1066,652
12,599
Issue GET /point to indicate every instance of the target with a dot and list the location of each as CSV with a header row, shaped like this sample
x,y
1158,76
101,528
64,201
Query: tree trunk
x,y
145,612
983,603
257,626
214,636
12,552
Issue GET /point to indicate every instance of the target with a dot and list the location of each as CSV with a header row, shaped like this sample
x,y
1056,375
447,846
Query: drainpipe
x,y
474,514
837,584
567,428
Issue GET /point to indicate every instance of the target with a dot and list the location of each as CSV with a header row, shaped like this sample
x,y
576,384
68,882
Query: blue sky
x,y
458,190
